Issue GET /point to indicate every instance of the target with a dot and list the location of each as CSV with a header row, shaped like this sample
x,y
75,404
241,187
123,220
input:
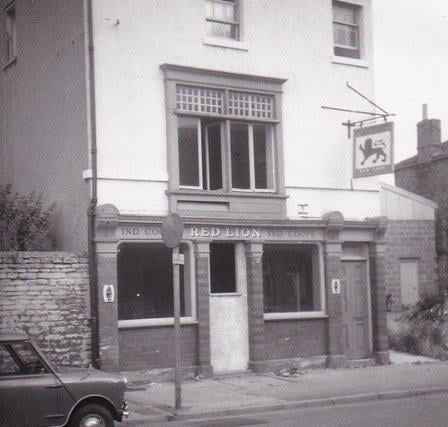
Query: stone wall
x,y
46,294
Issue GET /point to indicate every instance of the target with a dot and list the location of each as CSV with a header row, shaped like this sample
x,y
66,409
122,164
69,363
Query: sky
x,y
411,65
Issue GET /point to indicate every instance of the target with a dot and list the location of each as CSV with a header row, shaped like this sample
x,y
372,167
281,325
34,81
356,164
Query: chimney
x,y
428,136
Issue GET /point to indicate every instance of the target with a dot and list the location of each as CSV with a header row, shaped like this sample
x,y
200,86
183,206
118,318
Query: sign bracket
x,y
375,116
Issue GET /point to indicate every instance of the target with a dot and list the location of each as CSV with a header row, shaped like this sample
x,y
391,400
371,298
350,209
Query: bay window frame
x,y
225,199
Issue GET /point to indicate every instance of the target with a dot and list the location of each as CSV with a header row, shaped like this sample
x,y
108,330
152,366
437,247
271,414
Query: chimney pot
x,y
425,111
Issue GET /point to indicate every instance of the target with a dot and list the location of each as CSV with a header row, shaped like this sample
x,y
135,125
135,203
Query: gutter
x,y
93,270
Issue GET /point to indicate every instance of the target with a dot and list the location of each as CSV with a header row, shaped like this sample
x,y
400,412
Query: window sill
x,y
226,43
165,321
295,316
342,60
236,193
10,62
225,294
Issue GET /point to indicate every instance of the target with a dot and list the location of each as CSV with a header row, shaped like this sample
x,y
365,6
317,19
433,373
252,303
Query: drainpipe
x,y
93,271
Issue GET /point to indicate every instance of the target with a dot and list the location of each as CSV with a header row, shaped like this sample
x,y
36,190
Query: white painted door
x,y
409,281
229,331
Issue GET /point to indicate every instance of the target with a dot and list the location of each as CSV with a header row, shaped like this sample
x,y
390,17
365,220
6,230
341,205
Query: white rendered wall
x,y
289,39
399,204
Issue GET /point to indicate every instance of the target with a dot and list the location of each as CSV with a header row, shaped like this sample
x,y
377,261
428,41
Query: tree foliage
x,y
25,223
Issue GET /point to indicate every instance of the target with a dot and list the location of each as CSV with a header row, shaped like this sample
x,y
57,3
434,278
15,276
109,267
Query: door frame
x,y
356,258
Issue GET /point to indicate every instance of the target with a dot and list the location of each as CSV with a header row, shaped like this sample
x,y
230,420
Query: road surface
x,y
422,411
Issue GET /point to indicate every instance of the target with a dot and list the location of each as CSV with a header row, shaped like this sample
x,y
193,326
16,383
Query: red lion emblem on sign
x,y
370,149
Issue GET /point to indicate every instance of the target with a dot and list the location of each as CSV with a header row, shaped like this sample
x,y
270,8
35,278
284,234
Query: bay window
x,y
217,152
224,143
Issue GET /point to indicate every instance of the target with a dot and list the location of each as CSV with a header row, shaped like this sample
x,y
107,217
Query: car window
x,y
27,359
7,364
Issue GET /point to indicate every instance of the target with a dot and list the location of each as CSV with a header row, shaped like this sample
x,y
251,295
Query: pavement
x,y
251,393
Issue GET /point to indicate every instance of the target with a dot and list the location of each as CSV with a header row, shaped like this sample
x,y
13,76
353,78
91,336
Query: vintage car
x,y
33,392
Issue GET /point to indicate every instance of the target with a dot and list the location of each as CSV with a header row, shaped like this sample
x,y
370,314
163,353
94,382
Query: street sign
x,y
172,230
373,150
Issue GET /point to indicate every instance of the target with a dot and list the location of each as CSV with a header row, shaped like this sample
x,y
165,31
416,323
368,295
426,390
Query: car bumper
x,y
124,411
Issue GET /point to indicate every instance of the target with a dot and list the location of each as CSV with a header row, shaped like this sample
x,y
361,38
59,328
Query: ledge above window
x,y
226,43
354,62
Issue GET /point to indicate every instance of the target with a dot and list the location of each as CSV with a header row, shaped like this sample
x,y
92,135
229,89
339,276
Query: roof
x,y
13,336
408,194
414,159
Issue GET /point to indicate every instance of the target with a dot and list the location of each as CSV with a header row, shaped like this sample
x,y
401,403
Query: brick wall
x,y
46,294
286,339
410,239
430,179
151,348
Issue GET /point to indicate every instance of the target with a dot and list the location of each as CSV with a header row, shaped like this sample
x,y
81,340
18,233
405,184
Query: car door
x,y
31,395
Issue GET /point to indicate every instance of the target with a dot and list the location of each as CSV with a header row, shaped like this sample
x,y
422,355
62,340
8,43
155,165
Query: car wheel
x,y
92,415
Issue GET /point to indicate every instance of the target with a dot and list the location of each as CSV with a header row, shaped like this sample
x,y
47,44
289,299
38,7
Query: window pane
x,y
188,151
263,162
145,282
220,10
251,105
8,366
214,161
30,363
218,29
239,136
222,267
290,278
345,36
202,100
346,14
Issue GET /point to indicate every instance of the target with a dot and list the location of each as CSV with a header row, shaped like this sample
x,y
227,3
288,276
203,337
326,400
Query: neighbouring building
x,y
411,262
211,109
426,174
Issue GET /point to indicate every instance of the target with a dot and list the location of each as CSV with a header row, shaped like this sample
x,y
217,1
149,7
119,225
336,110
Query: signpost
x,y
172,230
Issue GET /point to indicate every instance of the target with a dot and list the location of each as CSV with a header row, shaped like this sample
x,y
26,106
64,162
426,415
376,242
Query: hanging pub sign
x,y
373,150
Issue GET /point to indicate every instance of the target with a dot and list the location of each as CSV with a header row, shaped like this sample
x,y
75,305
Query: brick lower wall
x,y
46,294
410,239
286,339
153,347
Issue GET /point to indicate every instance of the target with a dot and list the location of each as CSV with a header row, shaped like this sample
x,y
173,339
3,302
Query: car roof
x,y
13,336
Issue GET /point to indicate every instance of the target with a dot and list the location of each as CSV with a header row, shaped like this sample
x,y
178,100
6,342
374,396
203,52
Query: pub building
x,y
210,109
259,290
255,294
